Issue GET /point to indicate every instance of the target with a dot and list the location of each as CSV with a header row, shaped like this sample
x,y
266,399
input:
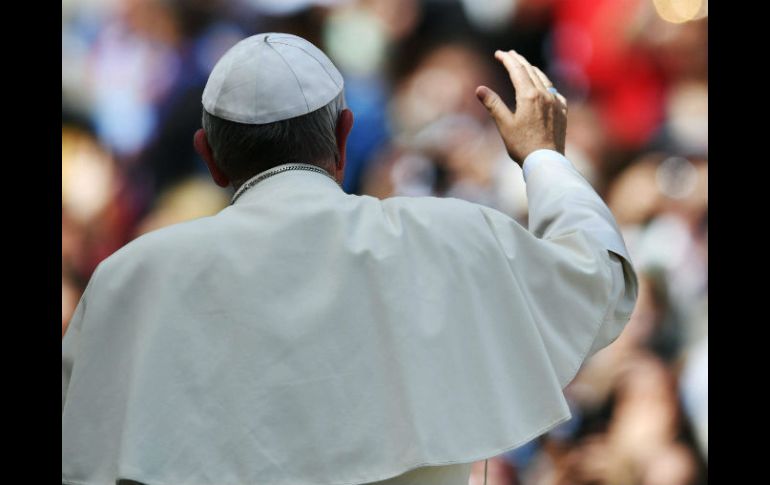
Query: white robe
x,y
303,336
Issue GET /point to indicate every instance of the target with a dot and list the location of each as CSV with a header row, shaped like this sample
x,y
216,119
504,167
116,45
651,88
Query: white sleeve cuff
x,y
538,156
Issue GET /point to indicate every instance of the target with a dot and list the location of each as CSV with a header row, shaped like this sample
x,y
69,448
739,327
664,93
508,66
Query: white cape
x,y
303,336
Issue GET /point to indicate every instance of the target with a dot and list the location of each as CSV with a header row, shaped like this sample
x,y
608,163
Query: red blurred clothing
x,y
591,39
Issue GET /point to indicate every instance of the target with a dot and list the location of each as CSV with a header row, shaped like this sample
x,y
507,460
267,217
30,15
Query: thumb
x,y
492,102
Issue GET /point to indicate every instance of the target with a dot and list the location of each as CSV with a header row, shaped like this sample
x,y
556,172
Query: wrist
x,y
524,154
541,156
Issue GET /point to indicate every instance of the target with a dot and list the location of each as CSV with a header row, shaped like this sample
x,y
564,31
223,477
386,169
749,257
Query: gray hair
x,y
242,150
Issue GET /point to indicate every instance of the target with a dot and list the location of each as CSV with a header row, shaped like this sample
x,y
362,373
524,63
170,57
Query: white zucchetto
x,y
271,77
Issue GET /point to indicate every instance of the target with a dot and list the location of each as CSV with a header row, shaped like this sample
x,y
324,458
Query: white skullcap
x,y
271,77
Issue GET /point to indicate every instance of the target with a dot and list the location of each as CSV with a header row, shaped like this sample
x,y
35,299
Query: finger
x,y
492,102
542,77
549,85
522,82
530,71
561,99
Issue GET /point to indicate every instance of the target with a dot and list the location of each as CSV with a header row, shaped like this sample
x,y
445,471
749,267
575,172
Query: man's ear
x,y
344,125
201,144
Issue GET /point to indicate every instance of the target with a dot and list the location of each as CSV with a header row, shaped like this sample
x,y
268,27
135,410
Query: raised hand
x,y
540,119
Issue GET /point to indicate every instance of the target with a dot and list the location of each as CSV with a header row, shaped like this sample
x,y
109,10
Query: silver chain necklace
x,y
274,171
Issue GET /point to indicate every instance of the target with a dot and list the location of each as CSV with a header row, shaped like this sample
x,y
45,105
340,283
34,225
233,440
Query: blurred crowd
x,y
635,75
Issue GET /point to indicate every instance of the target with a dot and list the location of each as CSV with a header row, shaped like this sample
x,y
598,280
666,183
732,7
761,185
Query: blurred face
x,y
634,196
680,49
645,417
398,16
151,19
443,84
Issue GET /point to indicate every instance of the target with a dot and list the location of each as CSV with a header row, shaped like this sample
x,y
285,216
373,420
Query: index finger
x,y
522,83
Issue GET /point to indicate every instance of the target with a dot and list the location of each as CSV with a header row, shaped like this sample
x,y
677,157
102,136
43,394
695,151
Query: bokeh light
x,y
678,11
